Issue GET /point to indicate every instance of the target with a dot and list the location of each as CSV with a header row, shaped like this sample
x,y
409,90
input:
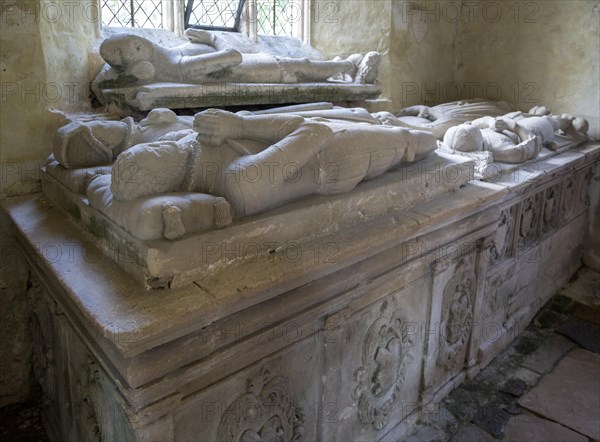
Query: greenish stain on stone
x,y
123,80
98,228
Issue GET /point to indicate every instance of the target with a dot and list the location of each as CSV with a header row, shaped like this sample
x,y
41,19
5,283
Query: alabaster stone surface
x,y
233,165
259,162
438,119
207,58
178,262
483,114
346,342
244,163
492,134
99,142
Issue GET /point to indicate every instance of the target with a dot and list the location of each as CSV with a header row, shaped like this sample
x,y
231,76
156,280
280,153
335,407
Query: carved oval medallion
x,y
266,412
381,374
457,313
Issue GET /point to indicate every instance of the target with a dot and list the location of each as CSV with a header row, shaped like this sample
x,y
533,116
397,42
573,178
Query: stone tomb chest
x,y
344,317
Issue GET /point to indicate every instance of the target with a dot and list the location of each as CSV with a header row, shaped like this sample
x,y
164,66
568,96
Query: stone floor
x,y
545,387
22,422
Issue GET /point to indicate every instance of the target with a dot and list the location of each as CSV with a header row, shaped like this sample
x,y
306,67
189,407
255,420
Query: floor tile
x,y
527,428
570,395
548,354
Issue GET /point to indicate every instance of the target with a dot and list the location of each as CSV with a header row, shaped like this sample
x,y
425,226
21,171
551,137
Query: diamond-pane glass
x,y
276,17
218,13
132,13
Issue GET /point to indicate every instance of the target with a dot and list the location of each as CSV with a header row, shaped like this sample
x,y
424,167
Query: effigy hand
x,y
199,36
500,124
142,70
214,126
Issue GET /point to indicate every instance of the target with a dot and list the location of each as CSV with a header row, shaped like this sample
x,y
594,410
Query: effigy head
x,y
82,144
581,125
122,50
465,138
75,145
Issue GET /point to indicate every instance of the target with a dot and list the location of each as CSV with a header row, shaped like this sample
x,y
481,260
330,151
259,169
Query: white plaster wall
x,y
345,27
422,52
535,52
23,77
43,65
69,30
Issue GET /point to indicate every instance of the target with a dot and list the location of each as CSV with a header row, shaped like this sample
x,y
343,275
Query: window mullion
x,y
251,20
178,9
132,12
173,12
305,22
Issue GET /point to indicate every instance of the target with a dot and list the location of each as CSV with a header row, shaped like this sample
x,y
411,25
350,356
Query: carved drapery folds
x,y
584,194
386,348
502,241
530,217
551,206
457,313
570,199
267,411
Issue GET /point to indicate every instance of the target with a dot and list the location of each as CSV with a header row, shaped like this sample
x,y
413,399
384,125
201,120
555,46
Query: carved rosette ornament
x,y
504,234
457,314
386,348
266,412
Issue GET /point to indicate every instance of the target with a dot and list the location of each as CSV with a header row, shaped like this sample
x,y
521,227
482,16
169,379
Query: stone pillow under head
x,y
156,217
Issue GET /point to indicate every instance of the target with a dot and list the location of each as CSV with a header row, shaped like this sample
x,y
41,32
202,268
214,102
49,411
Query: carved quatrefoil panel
x,y
386,349
266,412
